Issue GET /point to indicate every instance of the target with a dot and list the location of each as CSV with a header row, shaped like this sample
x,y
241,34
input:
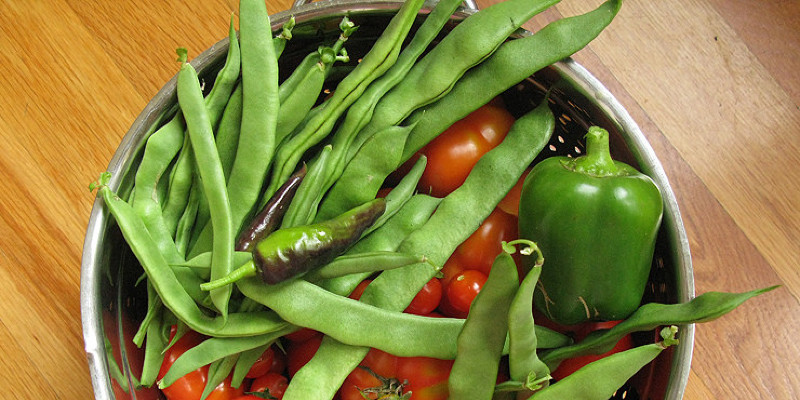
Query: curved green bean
x,y
216,348
364,174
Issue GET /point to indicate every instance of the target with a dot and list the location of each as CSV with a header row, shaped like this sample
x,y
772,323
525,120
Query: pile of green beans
x,y
221,157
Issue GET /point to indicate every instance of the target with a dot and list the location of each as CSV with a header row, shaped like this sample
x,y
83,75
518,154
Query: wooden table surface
x,y
714,85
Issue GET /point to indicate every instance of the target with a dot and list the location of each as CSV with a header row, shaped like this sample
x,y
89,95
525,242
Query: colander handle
x,y
471,4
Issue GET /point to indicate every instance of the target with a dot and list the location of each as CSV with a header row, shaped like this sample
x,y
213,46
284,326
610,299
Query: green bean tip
x,y
101,181
183,54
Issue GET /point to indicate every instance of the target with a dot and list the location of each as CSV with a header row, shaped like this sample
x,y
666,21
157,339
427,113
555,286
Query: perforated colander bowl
x,y
111,305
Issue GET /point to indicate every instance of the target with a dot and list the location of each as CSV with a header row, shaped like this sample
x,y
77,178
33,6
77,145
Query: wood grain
x,y
714,85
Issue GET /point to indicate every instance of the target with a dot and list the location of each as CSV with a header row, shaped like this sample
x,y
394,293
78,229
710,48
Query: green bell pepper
x,y
595,220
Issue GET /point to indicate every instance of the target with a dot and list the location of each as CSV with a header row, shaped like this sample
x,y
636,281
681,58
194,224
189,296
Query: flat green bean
x,y
190,98
217,348
706,307
260,107
599,380
481,340
169,287
523,360
513,62
386,238
469,43
366,172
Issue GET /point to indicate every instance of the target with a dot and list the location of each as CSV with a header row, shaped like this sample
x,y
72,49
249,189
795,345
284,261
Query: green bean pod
x,y
401,193
260,107
386,238
481,340
380,57
513,62
363,263
167,284
469,43
523,344
216,348
462,211
364,174
600,379
706,307
190,98
180,180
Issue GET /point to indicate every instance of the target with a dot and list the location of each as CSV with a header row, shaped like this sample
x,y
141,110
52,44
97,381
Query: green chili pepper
x,y
596,221
294,251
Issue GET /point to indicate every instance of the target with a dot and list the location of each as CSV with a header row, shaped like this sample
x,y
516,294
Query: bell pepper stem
x,y
597,161
246,270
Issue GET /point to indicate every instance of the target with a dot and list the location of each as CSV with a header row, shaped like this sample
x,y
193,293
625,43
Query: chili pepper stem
x,y
597,161
246,270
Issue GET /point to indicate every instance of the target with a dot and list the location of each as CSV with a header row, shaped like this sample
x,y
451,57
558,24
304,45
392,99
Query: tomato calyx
x,y
263,394
389,388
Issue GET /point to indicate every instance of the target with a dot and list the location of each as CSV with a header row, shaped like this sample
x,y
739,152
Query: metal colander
x,y
112,305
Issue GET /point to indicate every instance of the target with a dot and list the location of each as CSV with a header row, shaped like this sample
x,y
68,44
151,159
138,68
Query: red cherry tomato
x,y
427,299
427,377
299,353
271,383
191,385
455,151
302,335
451,268
571,365
480,249
464,287
376,362
263,364
278,362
